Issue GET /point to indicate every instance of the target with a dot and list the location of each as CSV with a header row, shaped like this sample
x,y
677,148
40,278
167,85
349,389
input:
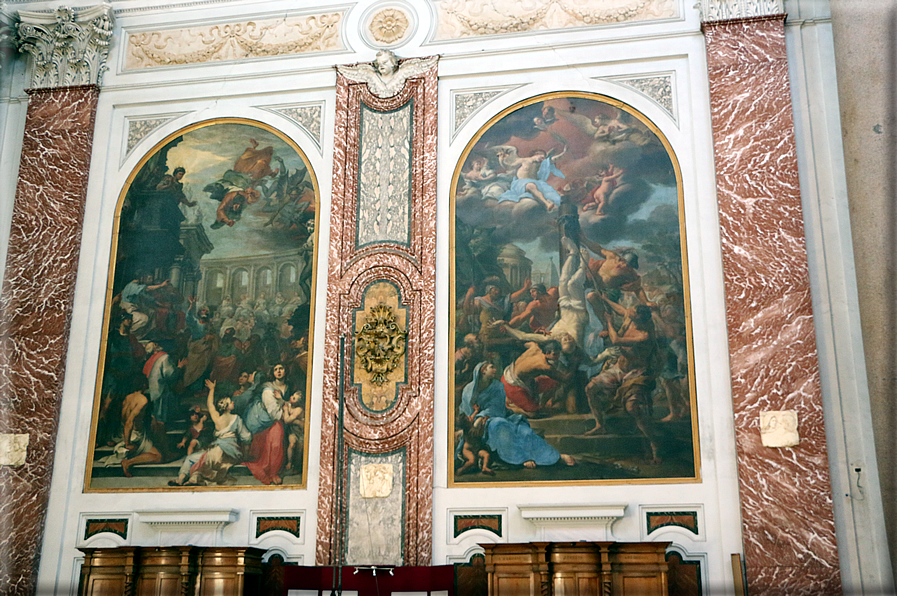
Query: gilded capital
x,y
721,10
68,46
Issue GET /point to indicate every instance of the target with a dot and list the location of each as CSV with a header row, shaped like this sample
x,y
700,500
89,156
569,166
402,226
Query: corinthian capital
x,y
721,10
68,47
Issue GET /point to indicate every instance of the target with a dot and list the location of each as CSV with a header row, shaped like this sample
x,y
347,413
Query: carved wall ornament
x,y
720,10
468,102
380,343
389,25
467,18
259,38
309,116
386,75
658,87
68,47
140,128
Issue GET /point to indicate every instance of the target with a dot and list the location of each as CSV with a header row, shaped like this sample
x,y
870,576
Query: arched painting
x,y
205,365
570,313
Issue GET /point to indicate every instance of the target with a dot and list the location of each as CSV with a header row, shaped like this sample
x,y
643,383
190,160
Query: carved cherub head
x,y
386,63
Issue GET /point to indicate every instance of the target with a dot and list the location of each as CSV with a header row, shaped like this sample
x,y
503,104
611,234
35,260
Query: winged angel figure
x,y
385,76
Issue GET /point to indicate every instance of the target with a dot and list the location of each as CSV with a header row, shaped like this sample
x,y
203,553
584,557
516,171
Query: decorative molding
x,y
472,18
721,10
68,47
386,75
240,40
117,526
140,128
553,520
658,87
308,116
389,25
188,519
467,102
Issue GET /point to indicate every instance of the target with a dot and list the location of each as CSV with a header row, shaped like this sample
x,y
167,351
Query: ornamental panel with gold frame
x,y
570,312
211,290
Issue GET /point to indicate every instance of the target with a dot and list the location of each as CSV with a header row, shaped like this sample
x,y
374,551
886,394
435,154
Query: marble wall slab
x,y
35,310
786,501
406,261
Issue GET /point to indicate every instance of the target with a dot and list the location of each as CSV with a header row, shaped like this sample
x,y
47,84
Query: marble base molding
x,y
786,501
35,311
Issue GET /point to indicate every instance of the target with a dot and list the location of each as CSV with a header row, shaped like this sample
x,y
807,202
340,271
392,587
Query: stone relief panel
x,y
241,40
384,184
375,512
309,117
471,18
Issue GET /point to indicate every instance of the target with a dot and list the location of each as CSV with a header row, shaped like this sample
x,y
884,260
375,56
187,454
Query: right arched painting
x,y
570,315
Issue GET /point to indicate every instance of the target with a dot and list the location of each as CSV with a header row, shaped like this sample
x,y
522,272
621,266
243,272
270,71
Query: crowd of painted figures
x,y
234,375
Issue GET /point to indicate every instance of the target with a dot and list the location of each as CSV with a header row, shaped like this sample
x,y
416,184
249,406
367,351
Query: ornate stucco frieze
x,y
256,38
720,10
385,76
470,18
68,46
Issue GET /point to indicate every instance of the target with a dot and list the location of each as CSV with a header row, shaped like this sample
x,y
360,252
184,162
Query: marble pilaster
x,y
69,51
376,150
786,501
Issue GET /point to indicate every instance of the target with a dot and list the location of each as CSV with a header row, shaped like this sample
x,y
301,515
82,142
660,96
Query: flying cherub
x,y
531,175
386,76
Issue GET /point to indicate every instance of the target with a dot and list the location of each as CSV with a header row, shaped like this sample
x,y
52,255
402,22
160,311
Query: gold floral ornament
x,y
380,343
389,25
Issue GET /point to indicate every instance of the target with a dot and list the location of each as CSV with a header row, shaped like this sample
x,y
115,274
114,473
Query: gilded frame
x,y
272,133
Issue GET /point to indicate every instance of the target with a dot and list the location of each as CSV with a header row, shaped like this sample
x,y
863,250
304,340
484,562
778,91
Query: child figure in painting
x,y
473,443
294,419
195,438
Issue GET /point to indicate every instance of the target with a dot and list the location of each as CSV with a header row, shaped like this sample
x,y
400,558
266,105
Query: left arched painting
x,y
204,367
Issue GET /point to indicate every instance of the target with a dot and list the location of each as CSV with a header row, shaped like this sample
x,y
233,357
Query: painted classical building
x,y
699,175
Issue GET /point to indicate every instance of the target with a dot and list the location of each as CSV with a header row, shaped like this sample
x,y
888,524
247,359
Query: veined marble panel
x,y
240,40
384,176
471,18
786,496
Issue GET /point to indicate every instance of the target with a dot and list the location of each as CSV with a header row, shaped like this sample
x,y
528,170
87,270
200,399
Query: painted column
x,y
786,501
69,50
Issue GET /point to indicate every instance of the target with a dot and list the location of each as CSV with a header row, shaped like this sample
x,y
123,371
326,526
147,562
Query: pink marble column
x,y
786,501
35,311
